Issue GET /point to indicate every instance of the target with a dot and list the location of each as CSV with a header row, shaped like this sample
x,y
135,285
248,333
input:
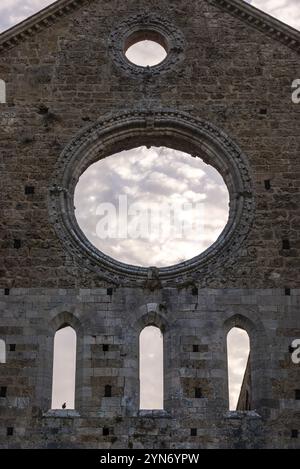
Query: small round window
x,y
146,49
144,45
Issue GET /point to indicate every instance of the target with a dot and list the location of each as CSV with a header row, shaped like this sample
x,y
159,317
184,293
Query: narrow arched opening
x,y
239,369
151,369
64,368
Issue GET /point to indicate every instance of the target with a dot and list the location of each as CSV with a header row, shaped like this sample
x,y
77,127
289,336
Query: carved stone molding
x,y
38,22
260,20
143,27
174,129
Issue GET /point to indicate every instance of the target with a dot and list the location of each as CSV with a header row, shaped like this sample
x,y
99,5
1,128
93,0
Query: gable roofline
x,y
262,21
265,23
37,22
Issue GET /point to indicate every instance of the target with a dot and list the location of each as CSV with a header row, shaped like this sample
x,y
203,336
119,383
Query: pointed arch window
x,y
64,368
151,369
239,372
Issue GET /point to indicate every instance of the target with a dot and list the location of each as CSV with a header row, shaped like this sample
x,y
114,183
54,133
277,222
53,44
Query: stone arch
x,y
179,131
61,317
243,322
238,363
66,318
152,314
258,359
151,371
64,368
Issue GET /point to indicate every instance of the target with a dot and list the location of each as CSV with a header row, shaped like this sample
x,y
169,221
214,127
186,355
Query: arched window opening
x,y
2,92
239,373
2,351
64,368
151,369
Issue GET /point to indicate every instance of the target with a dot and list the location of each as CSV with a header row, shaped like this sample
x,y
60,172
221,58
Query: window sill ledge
x,y
158,414
61,413
241,414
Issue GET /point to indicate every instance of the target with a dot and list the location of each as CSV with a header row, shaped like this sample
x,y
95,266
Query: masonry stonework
x,y
224,94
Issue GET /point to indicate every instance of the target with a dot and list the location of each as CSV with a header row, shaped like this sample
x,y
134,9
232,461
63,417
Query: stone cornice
x,y
238,8
262,21
36,23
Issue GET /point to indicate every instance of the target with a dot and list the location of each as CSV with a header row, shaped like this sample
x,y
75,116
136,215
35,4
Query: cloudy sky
x,y
149,178
164,189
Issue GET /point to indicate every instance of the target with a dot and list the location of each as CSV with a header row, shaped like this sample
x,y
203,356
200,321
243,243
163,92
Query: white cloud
x,y
287,11
14,11
145,53
152,179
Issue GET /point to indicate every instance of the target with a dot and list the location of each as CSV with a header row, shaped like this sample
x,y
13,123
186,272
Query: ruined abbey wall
x,y
227,83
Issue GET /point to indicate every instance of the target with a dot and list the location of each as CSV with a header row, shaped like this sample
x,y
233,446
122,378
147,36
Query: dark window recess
x,y
3,391
297,394
105,347
193,431
105,431
195,291
17,243
267,184
29,190
286,244
6,291
294,433
287,292
110,291
198,393
107,391
263,111
10,431
12,347
195,348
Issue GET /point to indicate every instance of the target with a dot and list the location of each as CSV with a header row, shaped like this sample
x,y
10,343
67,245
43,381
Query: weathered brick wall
x,y
60,80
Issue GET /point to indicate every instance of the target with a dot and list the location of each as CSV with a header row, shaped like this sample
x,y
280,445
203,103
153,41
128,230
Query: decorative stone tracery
x,y
177,130
148,26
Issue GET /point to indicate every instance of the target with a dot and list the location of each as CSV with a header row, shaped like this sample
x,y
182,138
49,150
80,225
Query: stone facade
x,y
223,93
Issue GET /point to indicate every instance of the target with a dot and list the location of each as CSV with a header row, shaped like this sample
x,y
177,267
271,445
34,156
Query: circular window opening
x,y
151,206
146,49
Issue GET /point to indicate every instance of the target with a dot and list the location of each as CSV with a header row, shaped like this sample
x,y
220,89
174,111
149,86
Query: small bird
x,y
64,405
